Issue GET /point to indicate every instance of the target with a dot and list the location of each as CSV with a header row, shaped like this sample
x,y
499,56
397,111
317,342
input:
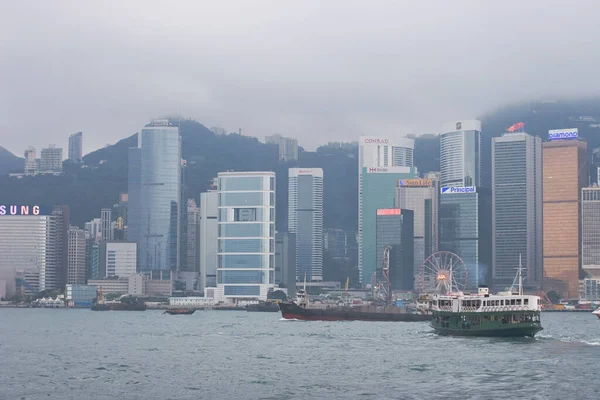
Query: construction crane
x,y
385,287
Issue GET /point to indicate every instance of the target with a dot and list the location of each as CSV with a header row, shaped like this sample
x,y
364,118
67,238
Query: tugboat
x,y
180,311
125,304
507,314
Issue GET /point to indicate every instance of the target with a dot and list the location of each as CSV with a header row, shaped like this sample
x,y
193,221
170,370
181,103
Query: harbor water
x,y
79,354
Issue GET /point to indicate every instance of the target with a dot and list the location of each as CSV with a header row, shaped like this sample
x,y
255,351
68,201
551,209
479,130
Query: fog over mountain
x,y
313,70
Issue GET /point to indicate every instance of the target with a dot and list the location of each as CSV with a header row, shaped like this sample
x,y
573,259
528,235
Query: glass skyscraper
x,y
590,230
392,159
460,149
159,197
305,220
466,230
246,235
377,190
517,208
395,229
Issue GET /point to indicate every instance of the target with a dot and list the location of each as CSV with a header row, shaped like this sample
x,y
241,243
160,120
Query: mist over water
x,y
79,354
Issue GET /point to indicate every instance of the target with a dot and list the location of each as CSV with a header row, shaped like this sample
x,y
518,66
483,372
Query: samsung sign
x,y
463,189
563,134
22,210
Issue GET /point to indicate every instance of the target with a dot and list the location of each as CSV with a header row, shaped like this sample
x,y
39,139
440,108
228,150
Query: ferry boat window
x,y
501,302
526,301
512,302
518,302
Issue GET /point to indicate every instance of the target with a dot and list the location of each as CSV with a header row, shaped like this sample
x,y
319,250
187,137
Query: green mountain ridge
x,y
9,162
87,190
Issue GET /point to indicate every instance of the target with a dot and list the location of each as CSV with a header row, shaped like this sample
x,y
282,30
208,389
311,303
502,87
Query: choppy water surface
x,y
80,354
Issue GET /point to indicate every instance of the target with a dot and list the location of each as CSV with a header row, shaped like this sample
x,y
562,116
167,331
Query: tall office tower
x,y
466,230
288,147
421,196
341,244
76,147
565,174
517,209
160,196
76,257
590,231
305,220
246,235
191,261
117,259
395,229
285,261
27,243
595,167
30,163
381,162
106,230
57,278
207,237
51,160
460,149
183,220
134,187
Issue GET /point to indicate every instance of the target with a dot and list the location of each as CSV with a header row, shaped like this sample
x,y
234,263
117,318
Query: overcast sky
x,y
316,70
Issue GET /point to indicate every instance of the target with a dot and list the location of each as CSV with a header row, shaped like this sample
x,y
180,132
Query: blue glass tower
x,y
159,197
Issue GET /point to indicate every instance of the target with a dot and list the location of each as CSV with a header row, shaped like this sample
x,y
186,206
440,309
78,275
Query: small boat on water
x,y
506,314
597,313
180,311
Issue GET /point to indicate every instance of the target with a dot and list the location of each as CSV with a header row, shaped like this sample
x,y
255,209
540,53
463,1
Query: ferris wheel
x,y
442,272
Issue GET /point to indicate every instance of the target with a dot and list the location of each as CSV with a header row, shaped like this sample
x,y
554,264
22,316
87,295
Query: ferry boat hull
x,y
490,325
294,311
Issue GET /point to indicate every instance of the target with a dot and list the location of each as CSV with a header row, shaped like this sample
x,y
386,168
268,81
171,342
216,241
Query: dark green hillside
x,y
9,162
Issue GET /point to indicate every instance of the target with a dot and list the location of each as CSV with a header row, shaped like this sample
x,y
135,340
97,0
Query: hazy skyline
x,y
317,71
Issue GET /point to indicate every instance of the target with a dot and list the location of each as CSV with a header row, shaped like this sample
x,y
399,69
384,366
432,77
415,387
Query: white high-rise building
x,y
30,162
590,230
76,256
76,147
28,243
460,154
106,230
246,236
288,147
118,259
207,237
51,159
517,208
305,220
422,197
378,156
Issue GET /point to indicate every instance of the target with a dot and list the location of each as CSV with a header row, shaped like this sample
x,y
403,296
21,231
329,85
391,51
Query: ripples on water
x,y
80,354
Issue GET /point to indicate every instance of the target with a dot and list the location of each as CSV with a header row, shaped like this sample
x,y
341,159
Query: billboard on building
x,y
458,189
563,134
19,209
415,183
388,211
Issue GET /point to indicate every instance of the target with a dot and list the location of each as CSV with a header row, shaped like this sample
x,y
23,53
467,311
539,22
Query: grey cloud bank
x,y
310,70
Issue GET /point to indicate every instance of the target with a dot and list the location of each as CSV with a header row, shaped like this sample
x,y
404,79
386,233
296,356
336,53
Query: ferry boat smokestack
x,y
484,291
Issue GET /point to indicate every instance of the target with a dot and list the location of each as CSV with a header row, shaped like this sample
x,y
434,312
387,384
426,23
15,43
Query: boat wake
x,y
289,319
567,339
